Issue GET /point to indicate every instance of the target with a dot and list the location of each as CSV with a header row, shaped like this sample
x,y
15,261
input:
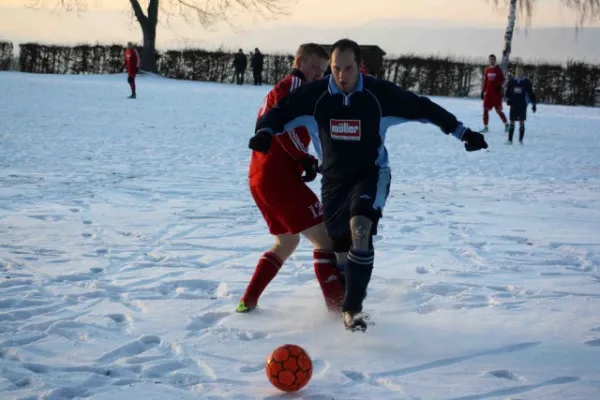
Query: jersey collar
x,y
334,89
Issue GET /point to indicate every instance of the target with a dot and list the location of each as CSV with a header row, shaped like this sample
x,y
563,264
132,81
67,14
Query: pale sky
x,y
109,21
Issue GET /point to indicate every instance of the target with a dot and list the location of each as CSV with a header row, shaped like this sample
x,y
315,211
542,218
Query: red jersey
x,y
132,61
286,150
493,80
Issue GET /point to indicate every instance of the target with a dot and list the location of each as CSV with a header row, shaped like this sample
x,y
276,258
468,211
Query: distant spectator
x,y
257,64
240,62
132,63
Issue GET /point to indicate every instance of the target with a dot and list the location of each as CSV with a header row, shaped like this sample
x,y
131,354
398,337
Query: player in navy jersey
x,y
347,115
519,94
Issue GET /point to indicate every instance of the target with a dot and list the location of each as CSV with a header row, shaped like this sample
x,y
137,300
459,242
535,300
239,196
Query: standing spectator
x,y
132,63
240,62
257,64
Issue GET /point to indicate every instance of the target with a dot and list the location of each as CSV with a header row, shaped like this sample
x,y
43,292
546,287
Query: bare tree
x,y
586,10
206,12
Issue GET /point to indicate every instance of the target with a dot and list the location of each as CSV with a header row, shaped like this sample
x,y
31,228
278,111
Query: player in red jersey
x,y
132,63
492,92
277,183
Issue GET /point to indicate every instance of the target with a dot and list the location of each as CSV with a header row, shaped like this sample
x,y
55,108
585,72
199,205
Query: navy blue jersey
x,y
519,93
348,130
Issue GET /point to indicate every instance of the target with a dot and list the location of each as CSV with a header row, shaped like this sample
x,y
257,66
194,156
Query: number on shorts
x,y
316,209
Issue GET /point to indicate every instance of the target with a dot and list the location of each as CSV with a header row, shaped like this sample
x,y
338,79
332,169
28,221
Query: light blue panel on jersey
x,y
387,122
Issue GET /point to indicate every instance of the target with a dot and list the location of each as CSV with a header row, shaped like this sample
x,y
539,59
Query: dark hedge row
x,y
574,83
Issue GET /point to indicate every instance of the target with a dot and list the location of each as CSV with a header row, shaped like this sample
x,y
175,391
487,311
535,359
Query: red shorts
x,y
492,102
287,208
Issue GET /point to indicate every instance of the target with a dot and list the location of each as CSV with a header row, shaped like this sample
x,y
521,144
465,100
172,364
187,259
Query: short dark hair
x,y
347,44
311,49
492,55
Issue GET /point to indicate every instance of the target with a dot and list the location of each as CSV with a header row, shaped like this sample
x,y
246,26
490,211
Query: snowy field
x,y
127,236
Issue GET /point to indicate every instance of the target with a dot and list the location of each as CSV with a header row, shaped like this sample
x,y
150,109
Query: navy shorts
x,y
518,113
344,199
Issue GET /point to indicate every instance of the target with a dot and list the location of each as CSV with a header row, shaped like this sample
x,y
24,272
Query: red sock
x,y
502,116
328,275
486,116
267,268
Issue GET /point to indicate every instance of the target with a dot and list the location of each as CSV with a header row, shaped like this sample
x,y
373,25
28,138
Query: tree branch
x,y
139,13
586,10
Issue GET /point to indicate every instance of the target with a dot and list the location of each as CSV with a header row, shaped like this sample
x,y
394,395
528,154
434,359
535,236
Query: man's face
x,y
520,71
492,61
312,67
344,69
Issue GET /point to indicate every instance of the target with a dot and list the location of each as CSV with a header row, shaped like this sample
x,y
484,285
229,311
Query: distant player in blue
x,y
519,93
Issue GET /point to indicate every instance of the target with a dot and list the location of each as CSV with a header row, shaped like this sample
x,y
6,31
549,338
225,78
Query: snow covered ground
x,y
127,236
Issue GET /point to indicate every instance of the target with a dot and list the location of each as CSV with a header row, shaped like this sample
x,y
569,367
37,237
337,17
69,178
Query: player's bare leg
x,y
325,264
285,245
268,266
486,118
502,116
358,272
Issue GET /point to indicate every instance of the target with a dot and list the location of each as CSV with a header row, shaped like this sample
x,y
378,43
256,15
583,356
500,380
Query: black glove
x,y
533,108
482,94
261,142
311,168
508,102
473,140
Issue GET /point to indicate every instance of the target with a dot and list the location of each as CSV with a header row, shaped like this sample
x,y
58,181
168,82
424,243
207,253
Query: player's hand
x,y
482,94
311,168
533,108
508,103
473,140
261,142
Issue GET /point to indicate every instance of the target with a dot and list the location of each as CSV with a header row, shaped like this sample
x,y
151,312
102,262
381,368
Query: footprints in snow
x,y
210,323
503,374
593,342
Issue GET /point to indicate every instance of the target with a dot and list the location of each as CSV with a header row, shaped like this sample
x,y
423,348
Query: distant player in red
x,y
277,183
492,92
132,63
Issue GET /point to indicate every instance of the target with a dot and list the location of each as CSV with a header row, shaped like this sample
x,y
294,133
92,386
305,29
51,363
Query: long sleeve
x,y
402,105
485,81
289,139
290,112
501,78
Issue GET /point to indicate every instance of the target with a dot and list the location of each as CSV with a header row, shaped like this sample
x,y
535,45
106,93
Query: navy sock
x,y
358,274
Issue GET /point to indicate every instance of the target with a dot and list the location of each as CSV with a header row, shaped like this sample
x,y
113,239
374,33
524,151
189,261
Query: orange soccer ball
x,y
289,368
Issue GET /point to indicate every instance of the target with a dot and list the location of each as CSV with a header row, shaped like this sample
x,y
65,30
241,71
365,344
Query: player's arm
x,y
291,143
292,111
484,83
399,105
502,78
289,140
